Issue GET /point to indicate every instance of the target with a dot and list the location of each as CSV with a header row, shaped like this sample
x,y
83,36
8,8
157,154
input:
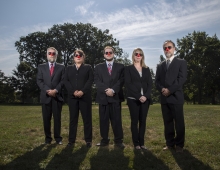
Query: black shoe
x,y
88,144
59,143
120,145
102,144
70,144
47,143
168,148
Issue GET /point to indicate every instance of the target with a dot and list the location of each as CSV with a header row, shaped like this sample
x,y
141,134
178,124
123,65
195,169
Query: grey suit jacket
x,y
114,81
47,82
173,79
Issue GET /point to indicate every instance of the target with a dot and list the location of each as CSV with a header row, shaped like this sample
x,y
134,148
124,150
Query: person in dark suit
x,y
50,81
78,82
170,76
109,79
138,83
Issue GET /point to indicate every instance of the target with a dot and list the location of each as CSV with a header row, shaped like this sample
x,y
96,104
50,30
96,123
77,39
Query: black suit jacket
x,y
134,83
173,79
47,82
114,81
80,79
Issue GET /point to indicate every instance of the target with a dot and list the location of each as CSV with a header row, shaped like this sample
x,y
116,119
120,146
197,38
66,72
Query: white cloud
x,y
160,17
83,9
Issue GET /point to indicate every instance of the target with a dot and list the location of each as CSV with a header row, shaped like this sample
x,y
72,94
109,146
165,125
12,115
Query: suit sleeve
x,y
120,82
67,83
101,87
130,86
149,85
158,84
88,85
181,78
61,82
40,80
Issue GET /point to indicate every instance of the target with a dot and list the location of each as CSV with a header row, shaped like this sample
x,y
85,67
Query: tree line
x,y
199,50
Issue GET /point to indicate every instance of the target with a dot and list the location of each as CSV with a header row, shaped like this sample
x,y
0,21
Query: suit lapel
x,y
105,69
136,72
47,70
172,63
164,65
55,70
114,69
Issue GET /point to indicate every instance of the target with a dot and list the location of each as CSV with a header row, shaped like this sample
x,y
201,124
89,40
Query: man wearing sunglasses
x,y
170,76
50,77
109,79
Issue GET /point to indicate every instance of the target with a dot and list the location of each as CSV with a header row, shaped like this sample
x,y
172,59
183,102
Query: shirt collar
x,y
51,63
111,62
171,59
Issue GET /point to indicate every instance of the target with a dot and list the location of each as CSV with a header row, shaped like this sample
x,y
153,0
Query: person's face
x,y
109,55
51,55
138,55
168,49
78,58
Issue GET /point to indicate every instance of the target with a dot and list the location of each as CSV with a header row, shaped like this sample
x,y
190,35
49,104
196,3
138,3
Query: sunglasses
x,y
51,53
107,53
138,54
165,48
76,55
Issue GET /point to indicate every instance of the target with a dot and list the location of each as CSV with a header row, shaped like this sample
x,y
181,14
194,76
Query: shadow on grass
x,y
69,158
30,160
146,160
106,159
187,161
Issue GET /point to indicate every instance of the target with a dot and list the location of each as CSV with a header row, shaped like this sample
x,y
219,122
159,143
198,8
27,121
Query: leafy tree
x,y
6,91
68,37
23,80
203,61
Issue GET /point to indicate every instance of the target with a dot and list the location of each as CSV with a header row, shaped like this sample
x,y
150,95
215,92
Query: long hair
x,y
80,52
142,60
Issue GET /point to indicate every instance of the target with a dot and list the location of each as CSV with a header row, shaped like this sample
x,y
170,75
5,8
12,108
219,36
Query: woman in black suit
x,y
138,83
78,82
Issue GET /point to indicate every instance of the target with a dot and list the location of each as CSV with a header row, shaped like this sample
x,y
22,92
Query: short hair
x,y
53,49
109,48
142,60
169,41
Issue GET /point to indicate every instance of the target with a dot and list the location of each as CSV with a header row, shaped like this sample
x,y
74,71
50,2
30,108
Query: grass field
x,y
21,138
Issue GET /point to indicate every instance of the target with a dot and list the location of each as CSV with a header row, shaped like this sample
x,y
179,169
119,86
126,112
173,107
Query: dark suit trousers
x,y
138,113
85,107
174,124
53,108
112,112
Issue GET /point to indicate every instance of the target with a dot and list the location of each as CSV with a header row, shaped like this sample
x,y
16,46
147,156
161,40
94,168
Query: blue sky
x,y
135,23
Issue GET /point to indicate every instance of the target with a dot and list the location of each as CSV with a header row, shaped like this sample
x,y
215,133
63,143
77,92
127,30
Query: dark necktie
x,y
168,63
51,69
109,68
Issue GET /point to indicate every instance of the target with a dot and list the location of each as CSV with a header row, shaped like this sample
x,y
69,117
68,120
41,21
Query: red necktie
x,y
109,68
51,69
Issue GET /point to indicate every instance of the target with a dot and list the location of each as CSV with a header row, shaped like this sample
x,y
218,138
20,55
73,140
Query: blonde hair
x,y
109,48
53,49
142,59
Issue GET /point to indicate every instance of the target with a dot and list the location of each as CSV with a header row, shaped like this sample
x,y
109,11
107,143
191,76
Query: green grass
x,y
21,138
